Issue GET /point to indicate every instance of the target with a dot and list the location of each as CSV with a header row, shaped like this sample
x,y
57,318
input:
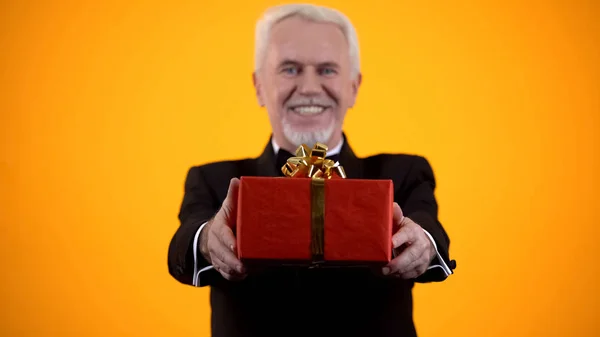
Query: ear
x,y
258,89
355,86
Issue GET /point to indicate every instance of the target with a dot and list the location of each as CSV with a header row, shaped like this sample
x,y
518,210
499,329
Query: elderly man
x,y
307,76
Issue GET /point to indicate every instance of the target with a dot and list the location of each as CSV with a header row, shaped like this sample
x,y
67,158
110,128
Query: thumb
x,y
228,210
398,215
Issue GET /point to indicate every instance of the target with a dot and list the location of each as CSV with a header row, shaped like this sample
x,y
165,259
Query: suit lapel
x,y
352,164
265,163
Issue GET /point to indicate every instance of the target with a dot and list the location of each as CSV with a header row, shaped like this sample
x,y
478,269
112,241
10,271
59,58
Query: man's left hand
x,y
417,252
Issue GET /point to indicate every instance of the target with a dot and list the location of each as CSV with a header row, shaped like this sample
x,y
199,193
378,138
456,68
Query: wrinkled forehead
x,y
307,42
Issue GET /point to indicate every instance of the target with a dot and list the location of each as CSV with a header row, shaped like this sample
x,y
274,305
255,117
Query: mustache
x,y
300,101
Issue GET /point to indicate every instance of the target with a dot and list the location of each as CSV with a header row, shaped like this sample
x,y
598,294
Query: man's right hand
x,y
217,242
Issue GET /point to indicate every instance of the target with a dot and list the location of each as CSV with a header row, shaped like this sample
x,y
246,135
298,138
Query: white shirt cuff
x,y
442,264
196,275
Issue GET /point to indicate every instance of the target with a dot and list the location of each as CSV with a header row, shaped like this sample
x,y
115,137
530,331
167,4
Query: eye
x,y
328,71
290,70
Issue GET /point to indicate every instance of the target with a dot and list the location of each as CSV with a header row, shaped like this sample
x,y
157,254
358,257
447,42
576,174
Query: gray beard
x,y
310,138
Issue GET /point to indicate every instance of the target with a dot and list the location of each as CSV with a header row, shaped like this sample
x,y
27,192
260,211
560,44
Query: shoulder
x,y
222,171
396,159
396,163
223,168
405,170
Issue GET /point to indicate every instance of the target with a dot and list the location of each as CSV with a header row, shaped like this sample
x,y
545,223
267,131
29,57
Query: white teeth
x,y
308,110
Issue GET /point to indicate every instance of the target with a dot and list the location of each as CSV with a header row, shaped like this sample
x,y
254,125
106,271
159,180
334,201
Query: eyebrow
x,y
290,62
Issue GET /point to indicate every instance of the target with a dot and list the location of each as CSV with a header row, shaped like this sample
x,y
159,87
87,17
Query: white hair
x,y
310,12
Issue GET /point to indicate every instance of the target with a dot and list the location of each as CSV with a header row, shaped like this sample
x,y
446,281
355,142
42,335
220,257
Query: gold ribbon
x,y
312,163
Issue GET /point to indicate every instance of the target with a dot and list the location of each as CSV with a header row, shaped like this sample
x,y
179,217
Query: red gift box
x,y
275,221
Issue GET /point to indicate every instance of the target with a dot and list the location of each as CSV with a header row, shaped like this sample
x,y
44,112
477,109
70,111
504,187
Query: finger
x,y
227,256
221,266
410,275
226,238
398,216
404,263
415,271
231,277
405,234
228,210
418,265
226,271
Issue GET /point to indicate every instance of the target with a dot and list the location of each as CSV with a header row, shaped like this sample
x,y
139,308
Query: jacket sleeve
x,y
198,206
418,203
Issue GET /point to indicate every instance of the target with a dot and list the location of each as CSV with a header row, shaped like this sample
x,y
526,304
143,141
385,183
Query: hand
x,y
418,251
217,242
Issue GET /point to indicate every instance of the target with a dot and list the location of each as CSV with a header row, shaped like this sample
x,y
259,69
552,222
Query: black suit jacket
x,y
309,302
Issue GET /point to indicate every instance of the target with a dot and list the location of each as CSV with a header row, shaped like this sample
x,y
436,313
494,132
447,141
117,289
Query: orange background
x,y
106,104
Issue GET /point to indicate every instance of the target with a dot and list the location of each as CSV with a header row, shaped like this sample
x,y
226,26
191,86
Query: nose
x,y
309,84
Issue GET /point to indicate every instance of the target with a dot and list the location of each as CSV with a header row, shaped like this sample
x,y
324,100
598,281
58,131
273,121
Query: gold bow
x,y
311,163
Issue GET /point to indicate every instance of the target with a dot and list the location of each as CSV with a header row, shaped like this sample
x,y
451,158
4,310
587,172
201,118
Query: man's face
x,y
306,82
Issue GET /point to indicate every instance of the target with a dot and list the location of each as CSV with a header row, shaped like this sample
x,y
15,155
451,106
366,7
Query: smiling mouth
x,y
308,110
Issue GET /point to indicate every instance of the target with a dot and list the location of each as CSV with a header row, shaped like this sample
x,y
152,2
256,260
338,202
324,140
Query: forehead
x,y
306,41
